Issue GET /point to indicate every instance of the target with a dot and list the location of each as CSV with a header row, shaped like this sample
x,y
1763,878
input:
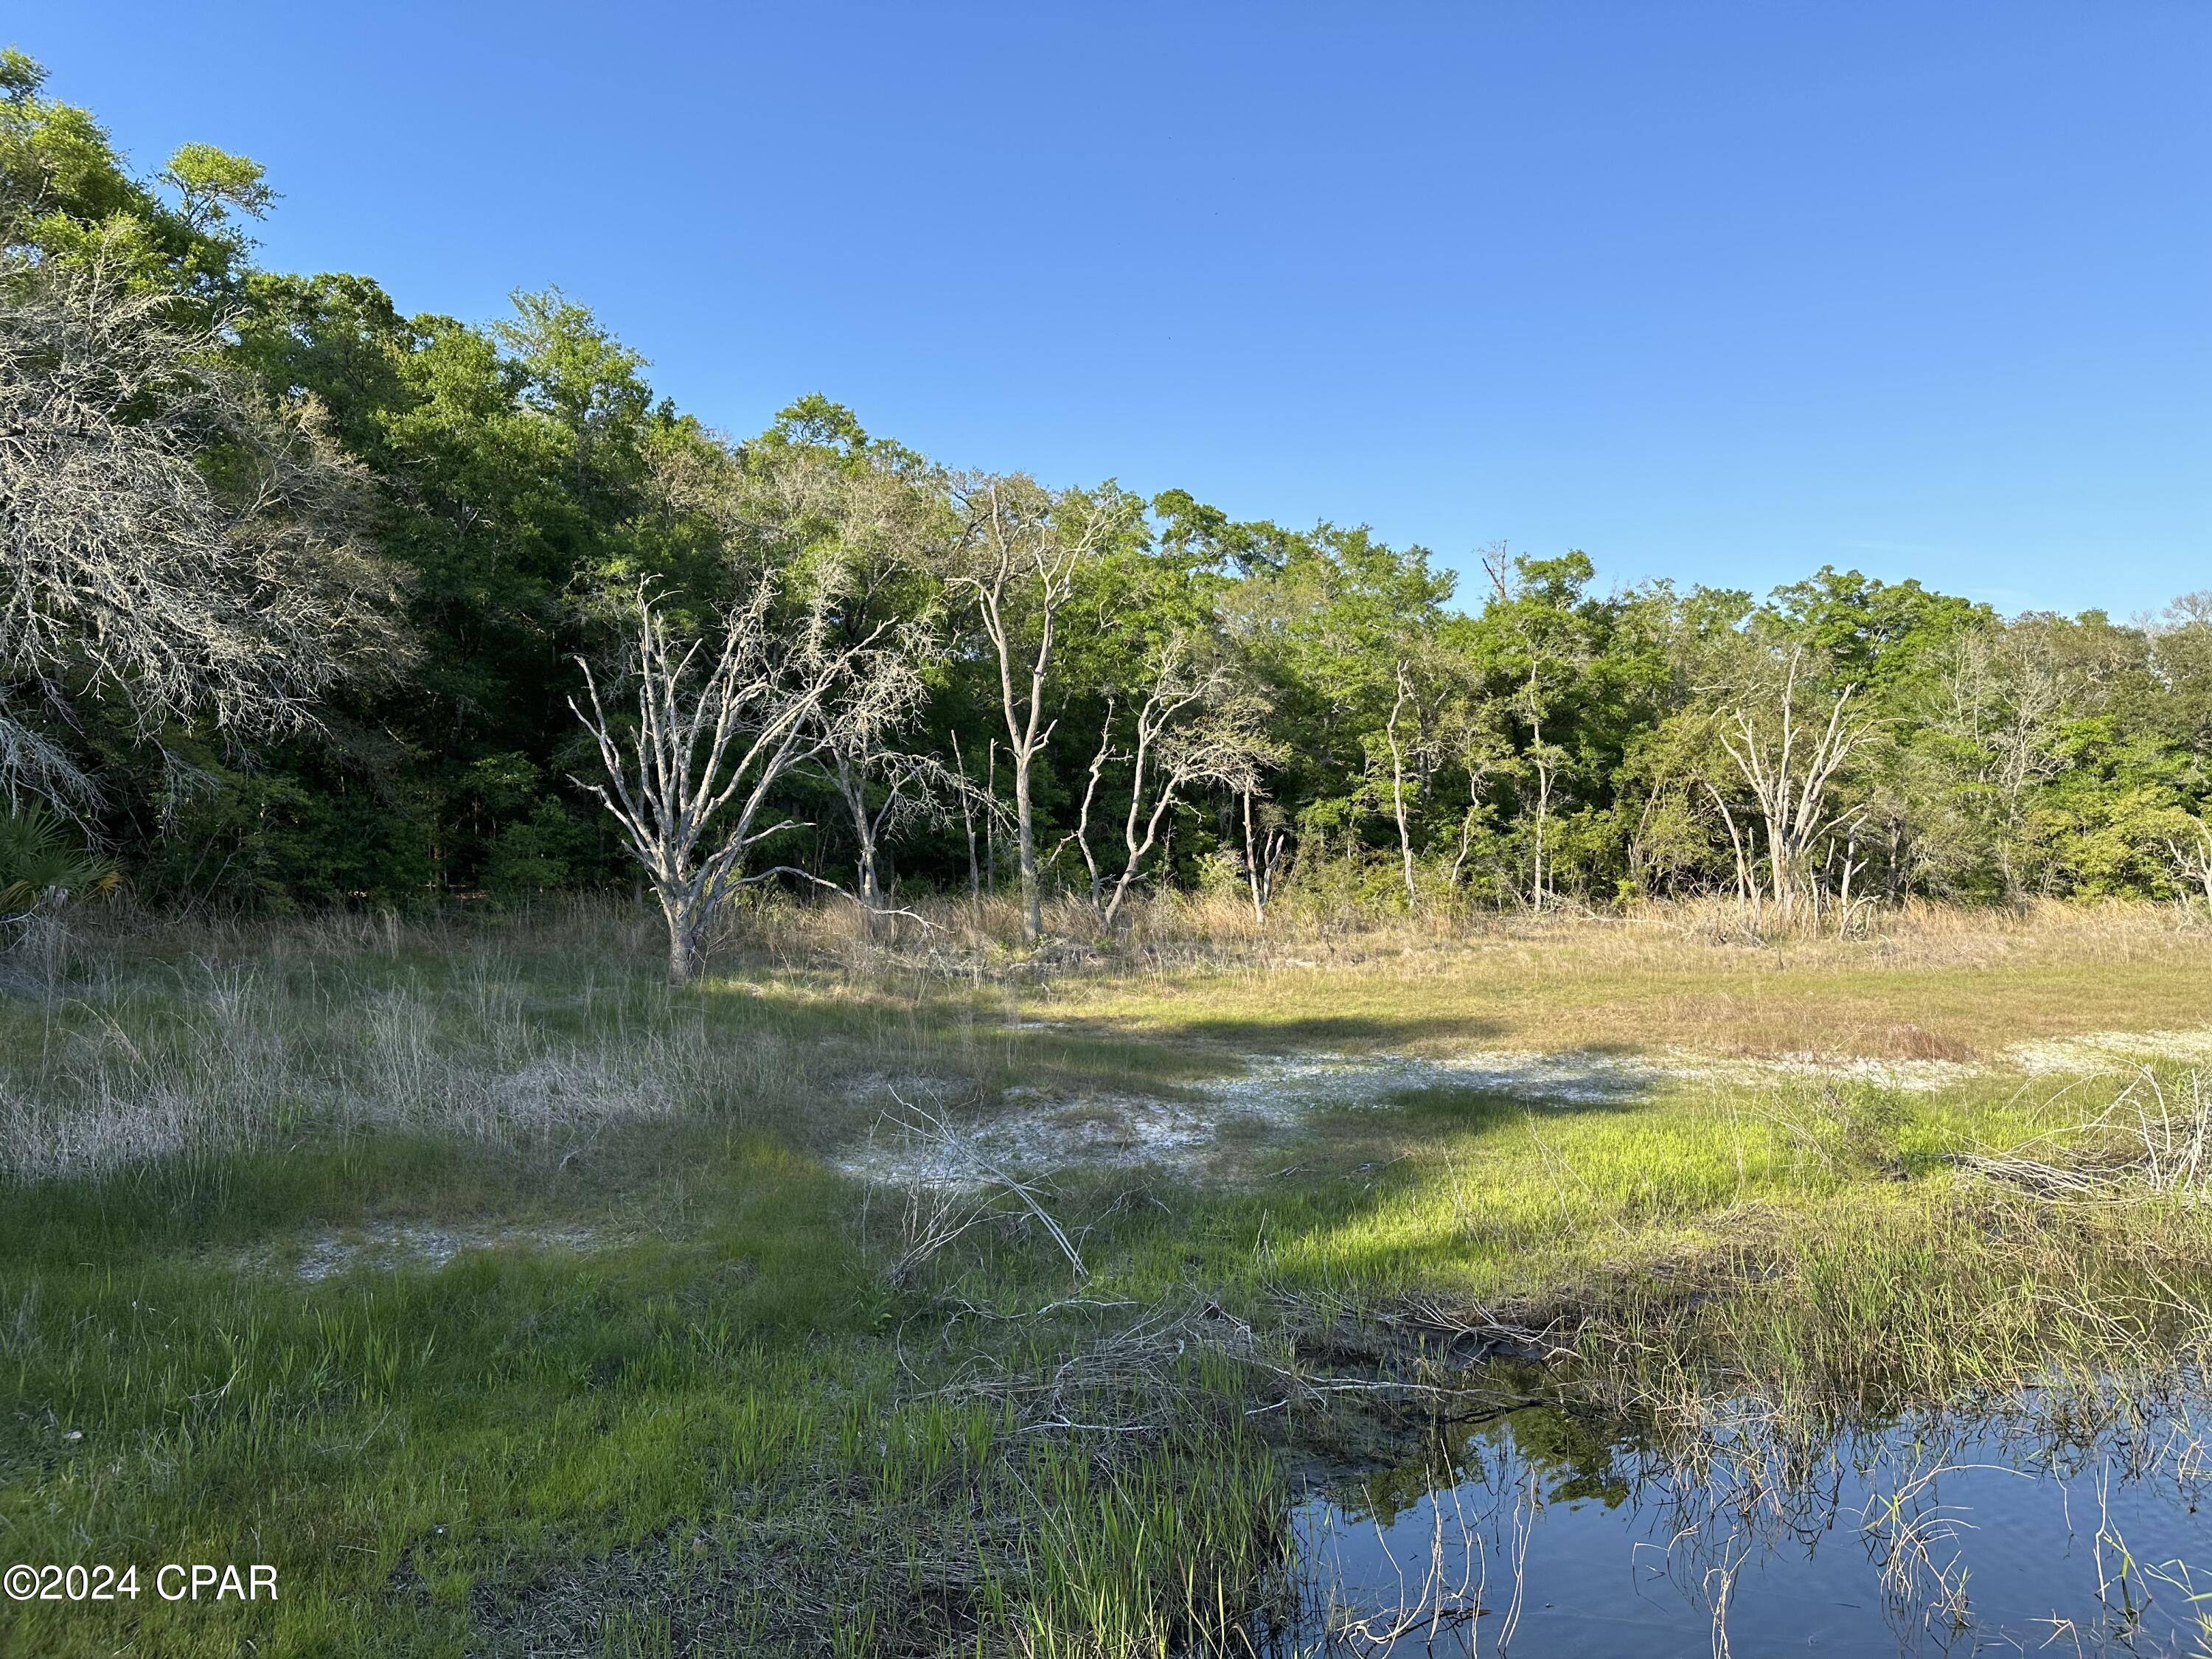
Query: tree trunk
x,y
1466,845
1781,874
682,943
1251,867
1090,794
1032,897
871,889
1746,893
1543,766
1398,791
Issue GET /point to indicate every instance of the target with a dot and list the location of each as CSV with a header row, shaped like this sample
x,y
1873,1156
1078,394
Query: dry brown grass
x,y
1926,984
1222,929
1918,982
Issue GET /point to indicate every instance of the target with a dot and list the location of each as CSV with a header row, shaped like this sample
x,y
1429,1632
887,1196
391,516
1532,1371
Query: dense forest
x,y
309,601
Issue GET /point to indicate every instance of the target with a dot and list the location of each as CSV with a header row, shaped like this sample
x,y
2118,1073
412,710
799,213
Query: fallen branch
x,y
926,1124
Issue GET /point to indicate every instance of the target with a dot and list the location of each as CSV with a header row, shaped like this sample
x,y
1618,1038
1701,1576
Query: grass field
x,y
938,1299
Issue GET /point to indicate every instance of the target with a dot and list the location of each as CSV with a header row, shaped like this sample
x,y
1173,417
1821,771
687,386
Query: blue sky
x,y
1718,291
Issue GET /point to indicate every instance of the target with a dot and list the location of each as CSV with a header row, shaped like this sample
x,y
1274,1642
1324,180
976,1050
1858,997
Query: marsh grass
x,y
509,1300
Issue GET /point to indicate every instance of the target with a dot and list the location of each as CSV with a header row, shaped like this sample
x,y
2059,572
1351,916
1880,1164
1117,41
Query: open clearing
x,y
1037,1131
512,1303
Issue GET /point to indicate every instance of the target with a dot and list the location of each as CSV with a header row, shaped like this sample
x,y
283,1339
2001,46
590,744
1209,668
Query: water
x,y
1543,1535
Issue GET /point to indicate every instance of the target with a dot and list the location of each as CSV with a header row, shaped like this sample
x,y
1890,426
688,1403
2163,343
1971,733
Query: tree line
x,y
311,601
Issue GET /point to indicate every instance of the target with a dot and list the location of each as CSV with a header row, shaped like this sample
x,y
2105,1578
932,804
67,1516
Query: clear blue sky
x,y
1719,291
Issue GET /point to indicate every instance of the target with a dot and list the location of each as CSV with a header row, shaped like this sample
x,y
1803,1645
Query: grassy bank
x,y
509,1302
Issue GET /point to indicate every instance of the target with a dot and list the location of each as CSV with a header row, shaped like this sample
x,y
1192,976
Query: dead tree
x,y
882,787
2004,694
852,536
722,716
1789,762
869,528
1197,725
1435,719
133,571
1747,882
1019,556
1265,855
1478,748
1104,756
1398,743
1544,760
1548,661
2191,856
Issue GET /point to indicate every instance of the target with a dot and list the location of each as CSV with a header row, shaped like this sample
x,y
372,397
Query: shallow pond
x,y
1541,1534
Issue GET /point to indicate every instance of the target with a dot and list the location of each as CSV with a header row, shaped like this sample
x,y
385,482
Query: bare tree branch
x,y
1198,724
174,546
1789,764
714,736
1016,561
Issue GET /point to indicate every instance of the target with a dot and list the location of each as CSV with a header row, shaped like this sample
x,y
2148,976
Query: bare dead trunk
x,y
1398,790
2192,862
871,892
1082,816
1021,540
1251,865
1790,786
1781,870
1466,845
1025,821
682,942
1745,892
1194,727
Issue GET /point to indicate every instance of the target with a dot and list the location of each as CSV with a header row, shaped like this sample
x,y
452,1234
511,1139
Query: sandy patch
x,y
325,1256
1094,1131
2094,1051
1040,1131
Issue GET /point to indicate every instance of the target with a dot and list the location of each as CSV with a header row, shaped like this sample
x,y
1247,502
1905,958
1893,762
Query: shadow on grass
x,y
1354,1032
229,1198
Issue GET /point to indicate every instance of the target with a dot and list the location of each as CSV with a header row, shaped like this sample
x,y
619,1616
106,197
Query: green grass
x,y
665,1397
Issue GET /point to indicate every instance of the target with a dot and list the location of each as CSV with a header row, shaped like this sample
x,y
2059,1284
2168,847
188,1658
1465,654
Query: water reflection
x,y
2060,1524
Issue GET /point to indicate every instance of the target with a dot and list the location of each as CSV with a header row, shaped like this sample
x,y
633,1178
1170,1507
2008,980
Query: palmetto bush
x,y
43,861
